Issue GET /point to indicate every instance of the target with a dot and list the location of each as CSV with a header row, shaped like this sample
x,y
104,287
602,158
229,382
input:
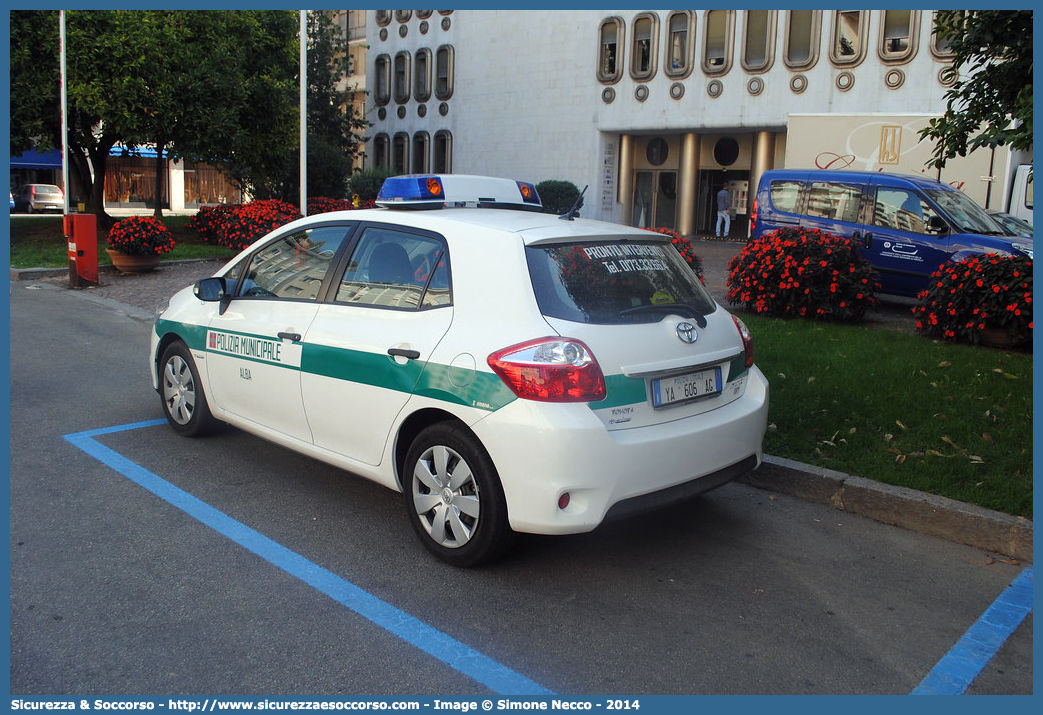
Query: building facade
x,y
654,109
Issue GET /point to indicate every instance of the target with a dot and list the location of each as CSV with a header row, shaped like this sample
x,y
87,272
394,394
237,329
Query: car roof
x,y
843,174
531,226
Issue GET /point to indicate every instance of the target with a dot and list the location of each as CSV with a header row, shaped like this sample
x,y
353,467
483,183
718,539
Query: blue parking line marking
x,y
957,670
496,676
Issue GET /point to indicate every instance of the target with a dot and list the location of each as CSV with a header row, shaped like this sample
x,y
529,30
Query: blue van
x,y
906,225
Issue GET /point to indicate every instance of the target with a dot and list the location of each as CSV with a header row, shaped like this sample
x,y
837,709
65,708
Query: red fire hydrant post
x,y
82,232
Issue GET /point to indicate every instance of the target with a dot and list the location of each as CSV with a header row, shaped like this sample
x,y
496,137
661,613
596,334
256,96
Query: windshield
x,y
967,216
613,282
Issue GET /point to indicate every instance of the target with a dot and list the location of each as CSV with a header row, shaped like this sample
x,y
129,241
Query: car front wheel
x,y
184,402
454,498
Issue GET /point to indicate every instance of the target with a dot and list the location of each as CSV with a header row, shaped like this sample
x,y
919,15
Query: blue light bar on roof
x,y
422,191
411,189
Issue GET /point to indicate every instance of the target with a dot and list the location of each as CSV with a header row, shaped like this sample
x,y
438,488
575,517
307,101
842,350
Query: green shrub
x,y
980,299
797,272
366,183
558,197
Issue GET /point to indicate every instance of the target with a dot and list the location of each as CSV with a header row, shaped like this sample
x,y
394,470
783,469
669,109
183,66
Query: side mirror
x,y
937,224
212,290
209,289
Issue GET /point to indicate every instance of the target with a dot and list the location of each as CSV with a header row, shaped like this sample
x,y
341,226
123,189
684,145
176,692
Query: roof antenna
x,y
574,211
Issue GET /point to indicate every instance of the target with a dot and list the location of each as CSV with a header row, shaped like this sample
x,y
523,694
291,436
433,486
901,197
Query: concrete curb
x,y
35,274
906,508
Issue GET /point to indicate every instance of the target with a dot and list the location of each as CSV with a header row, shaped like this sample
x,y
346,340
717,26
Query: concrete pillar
x,y
626,178
762,160
687,181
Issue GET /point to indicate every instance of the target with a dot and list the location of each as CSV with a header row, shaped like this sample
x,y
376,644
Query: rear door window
x,y
835,201
615,282
785,195
396,269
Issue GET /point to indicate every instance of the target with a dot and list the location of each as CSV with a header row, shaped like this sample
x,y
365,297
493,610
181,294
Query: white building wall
x,y
527,102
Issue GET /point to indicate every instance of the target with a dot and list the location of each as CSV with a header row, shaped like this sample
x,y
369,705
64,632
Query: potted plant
x,y
136,243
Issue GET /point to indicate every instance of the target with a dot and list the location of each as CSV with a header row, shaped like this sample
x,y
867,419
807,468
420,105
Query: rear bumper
x,y
682,492
542,451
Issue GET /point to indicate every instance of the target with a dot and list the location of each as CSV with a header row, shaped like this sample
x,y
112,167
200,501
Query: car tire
x,y
454,498
181,391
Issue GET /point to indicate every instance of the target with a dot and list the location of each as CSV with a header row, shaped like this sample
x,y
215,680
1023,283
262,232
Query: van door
x,y
899,240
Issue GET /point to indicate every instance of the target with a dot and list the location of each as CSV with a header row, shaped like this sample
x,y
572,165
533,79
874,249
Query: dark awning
x,y
34,159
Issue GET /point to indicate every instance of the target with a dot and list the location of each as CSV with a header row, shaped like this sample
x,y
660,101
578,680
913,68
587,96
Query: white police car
x,y
508,370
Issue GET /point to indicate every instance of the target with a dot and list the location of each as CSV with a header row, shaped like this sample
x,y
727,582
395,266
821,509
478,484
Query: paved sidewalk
x,y
139,296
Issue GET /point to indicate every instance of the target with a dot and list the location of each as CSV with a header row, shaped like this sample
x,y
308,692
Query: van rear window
x,y
615,282
785,195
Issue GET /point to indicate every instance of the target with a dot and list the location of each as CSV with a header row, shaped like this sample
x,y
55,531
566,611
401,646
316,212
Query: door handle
x,y
867,240
402,352
295,337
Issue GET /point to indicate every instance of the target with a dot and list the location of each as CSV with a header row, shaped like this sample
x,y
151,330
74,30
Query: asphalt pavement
x,y
146,562
140,295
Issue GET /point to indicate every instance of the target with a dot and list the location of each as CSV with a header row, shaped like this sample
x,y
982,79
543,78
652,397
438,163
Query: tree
x,y
333,128
990,104
212,86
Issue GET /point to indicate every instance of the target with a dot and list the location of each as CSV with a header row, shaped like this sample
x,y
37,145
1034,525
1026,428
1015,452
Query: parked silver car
x,y
39,197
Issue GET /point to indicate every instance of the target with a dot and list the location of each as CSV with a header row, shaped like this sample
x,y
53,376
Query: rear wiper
x,y
682,309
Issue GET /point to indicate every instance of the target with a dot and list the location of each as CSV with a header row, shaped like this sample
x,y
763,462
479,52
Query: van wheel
x,y
184,402
454,498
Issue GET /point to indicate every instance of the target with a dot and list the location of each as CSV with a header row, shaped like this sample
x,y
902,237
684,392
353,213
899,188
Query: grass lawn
x,y
949,419
39,242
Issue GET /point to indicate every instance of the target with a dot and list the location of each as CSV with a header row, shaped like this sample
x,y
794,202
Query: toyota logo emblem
x,y
686,333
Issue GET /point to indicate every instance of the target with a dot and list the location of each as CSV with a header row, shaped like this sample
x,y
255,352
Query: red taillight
x,y
753,216
550,370
747,340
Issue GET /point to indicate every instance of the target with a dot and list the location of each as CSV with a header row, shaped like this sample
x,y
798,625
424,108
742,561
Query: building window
x,y
717,51
758,49
680,29
423,14
898,35
939,45
381,150
802,38
422,92
442,155
402,79
382,80
403,15
849,37
400,153
444,60
645,46
610,42
383,18
421,153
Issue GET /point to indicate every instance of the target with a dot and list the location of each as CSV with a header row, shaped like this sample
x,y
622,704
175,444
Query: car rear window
x,y
615,282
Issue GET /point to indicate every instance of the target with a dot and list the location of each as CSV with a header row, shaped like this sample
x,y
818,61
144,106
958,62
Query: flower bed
x,y
141,236
323,204
243,225
980,299
797,272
